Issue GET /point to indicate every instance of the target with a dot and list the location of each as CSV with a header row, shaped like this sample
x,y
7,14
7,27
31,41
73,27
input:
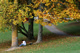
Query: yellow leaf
x,y
47,4
49,24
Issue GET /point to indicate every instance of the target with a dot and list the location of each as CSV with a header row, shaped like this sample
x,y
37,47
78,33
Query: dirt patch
x,y
13,48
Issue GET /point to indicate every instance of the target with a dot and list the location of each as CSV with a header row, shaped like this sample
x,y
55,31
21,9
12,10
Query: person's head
x,y
22,40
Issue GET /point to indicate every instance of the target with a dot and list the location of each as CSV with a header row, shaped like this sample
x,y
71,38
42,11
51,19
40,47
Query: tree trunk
x,y
16,2
39,38
77,2
30,30
14,36
15,31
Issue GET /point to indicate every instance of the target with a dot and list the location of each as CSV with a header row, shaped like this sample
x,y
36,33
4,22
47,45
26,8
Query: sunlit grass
x,y
60,45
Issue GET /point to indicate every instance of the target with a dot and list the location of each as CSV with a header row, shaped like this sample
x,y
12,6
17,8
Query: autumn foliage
x,y
53,10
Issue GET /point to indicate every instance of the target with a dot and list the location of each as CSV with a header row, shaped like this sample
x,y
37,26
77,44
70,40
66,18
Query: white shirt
x,y
24,42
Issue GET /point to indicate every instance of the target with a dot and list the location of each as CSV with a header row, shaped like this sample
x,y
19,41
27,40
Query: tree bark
x,y
77,2
23,30
30,30
16,2
14,36
39,38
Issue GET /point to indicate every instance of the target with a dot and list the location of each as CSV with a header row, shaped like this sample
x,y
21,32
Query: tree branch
x,y
25,34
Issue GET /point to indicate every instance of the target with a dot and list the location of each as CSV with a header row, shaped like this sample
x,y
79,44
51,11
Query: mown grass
x,y
71,27
54,44
60,45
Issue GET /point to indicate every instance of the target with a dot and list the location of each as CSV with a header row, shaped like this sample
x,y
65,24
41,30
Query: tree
x,y
55,12
14,36
28,33
4,5
12,14
15,31
39,38
30,28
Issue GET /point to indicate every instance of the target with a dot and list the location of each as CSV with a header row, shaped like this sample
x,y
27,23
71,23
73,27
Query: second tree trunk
x,y
14,36
39,38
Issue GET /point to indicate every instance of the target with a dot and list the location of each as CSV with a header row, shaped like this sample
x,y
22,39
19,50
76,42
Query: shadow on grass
x,y
46,37
72,28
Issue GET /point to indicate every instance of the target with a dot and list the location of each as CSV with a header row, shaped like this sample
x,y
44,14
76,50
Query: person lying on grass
x,y
23,43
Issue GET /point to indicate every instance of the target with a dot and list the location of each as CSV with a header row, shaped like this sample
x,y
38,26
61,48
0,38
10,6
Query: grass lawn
x,y
71,27
60,45
51,43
